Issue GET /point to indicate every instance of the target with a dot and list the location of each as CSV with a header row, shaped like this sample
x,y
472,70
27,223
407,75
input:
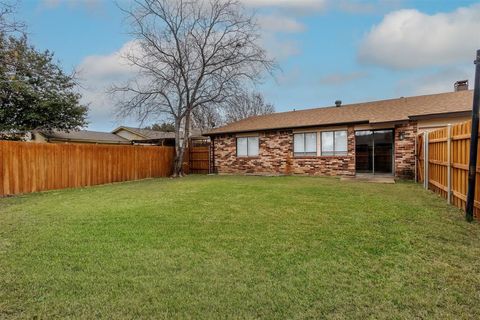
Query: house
x,y
376,137
83,136
121,135
145,136
138,135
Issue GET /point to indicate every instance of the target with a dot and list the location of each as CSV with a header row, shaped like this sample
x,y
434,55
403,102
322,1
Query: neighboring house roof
x,y
392,110
85,136
154,135
197,133
147,134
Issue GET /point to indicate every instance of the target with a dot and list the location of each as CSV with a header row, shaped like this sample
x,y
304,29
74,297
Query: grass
x,y
238,247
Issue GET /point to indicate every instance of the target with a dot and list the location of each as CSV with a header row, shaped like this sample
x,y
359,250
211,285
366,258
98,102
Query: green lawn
x,y
238,247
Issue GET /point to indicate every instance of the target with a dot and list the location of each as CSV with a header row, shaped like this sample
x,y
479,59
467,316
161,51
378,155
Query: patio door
x,y
374,151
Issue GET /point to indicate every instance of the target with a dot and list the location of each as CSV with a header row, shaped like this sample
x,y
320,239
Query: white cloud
x,y
365,7
278,47
273,28
288,4
109,66
357,7
280,23
99,72
409,39
435,82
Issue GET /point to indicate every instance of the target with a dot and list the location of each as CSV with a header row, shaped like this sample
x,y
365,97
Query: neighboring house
x,y
153,137
145,136
121,135
373,137
83,136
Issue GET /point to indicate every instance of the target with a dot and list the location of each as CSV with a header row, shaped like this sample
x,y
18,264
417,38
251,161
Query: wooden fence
x,y
197,160
446,172
197,157
29,167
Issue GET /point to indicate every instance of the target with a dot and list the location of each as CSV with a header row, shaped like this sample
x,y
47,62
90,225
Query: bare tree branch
x,y
8,24
247,105
191,55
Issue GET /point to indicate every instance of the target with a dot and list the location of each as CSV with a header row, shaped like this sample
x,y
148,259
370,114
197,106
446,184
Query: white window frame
x,y
333,153
248,151
305,153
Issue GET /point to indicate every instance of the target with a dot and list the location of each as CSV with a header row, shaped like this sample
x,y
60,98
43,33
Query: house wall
x,y
276,157
404,149
276,154
38,137
434,124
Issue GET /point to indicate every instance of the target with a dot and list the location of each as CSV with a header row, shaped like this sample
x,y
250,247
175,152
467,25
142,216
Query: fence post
x,y
449,164
425,160
472,163
416,158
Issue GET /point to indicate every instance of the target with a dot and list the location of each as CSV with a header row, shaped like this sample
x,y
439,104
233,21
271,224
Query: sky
x,y
327,50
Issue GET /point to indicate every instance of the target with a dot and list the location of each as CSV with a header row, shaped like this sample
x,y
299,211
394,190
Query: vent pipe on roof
x,y
461,85
338,103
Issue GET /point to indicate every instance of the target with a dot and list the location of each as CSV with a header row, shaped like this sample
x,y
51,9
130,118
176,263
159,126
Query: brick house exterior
x,y
276,155
403,118
404,149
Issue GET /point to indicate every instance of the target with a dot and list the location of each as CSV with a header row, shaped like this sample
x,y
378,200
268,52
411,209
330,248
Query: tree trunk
x,y
181,143
179,151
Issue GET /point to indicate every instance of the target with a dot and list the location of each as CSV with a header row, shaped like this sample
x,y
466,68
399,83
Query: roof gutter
x,y
89,141
440,115
211,134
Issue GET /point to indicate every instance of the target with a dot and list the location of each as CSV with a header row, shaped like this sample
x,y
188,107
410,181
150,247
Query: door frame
x,y
373,151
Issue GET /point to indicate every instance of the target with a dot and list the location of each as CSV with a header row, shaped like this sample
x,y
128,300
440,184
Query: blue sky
x,y
349,50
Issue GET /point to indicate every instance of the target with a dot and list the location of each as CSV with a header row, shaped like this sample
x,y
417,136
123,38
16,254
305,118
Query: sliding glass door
x,y
374,151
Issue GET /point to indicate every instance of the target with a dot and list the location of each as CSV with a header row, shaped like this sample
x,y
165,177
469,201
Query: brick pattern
x,y
276,157
405,150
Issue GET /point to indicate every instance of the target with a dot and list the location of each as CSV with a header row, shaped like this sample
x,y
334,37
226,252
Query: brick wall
x,y
405,150
276,157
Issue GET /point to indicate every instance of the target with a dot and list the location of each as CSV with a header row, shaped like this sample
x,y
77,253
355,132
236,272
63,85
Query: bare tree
x,y
247,105
190,54
8,24
162,127
207,117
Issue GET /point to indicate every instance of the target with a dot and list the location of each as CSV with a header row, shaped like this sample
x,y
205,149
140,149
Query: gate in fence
x,y
197,157
442,163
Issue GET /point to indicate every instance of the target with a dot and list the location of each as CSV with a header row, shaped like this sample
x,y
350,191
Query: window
x,y
305,144
334,143
247,147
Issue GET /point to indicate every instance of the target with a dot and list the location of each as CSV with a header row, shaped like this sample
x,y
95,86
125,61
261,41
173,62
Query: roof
x,y
85,136
392,110
148,134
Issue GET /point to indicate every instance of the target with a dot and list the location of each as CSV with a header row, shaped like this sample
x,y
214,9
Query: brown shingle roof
x,y
85,135
148,134
153,135
400,109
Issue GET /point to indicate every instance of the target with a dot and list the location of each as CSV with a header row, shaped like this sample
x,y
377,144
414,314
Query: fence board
x,y
29,167
439,163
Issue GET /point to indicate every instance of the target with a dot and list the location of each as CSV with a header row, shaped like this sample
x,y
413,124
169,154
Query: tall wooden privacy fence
x,y
29,167
442,164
